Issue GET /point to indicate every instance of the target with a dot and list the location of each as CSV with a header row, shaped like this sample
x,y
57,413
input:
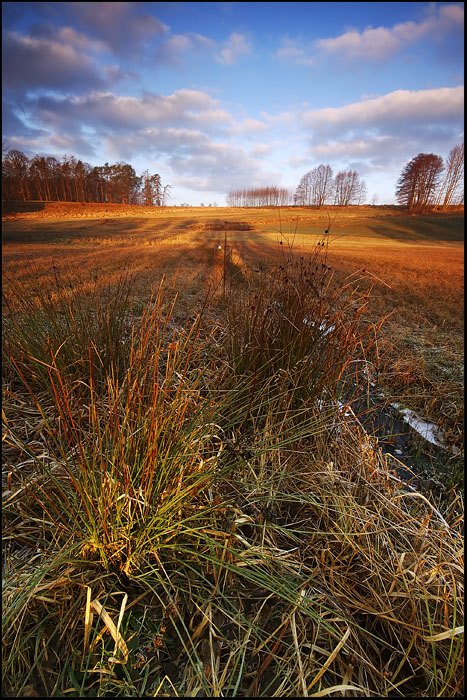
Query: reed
x,y
189,510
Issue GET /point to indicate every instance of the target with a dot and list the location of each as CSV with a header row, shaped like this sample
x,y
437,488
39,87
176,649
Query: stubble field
x,y
413,265
191,506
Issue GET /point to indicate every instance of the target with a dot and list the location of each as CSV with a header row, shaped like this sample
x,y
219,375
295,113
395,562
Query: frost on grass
x,y
428,431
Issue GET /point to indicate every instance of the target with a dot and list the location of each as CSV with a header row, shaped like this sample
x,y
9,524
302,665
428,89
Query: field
x,y
414,266
191,504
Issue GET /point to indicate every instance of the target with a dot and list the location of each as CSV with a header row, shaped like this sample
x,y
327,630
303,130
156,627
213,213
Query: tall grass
x,y
188,510
295,322
60,322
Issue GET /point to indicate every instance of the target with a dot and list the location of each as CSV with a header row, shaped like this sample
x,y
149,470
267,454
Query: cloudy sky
x,y
215,96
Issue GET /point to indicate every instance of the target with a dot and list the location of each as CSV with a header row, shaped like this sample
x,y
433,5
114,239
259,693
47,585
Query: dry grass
x,y
413,264
188,508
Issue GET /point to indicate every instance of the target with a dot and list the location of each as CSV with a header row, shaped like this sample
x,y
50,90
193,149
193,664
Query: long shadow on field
x,y
65,232
220,225
10,208
88,231
420,228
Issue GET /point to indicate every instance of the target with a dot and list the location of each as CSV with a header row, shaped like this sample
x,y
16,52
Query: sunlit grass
x,y
189,509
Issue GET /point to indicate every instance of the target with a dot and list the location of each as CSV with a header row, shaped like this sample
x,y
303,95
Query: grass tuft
x,y
192,509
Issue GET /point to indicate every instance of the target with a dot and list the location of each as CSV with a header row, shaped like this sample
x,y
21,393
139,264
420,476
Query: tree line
x,y
259,197
316,188
70,180
426,182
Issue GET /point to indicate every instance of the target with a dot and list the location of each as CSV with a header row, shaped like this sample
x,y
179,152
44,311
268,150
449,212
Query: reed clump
x,y
194,510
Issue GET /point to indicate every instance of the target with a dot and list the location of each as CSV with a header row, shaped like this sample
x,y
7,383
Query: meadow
x,y
191,505
413,265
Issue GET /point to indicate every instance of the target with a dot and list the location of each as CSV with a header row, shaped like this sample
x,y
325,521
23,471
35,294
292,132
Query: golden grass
x,y
415,265
194,520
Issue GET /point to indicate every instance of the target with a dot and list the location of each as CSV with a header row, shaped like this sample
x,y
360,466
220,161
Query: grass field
x,y
414,266
190,506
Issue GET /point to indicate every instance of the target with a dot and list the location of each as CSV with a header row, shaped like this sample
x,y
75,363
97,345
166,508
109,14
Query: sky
x,y
217,96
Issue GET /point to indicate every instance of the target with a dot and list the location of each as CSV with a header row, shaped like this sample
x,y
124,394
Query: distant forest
x,y
70,180
426,182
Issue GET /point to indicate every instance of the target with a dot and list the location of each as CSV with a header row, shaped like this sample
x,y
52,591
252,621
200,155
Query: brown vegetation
x,y
188,508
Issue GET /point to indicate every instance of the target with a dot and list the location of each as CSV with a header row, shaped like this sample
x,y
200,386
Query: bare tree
x,y
349,188
259,197
453,178
361,191
302,193
419,181
15,174
322,185
166,194
315,187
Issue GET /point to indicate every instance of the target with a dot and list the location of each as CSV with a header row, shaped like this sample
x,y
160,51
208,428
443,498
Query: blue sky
x,y
216,96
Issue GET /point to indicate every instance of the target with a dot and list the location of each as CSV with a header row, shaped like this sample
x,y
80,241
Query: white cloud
x,y
123,26
298,162
377,43
371,43
248,127
237,45
105,110
173,50
356,148
70,36
366,155
193,159
30,62
293,50
187,133
206,165
382,133
261,150
396,110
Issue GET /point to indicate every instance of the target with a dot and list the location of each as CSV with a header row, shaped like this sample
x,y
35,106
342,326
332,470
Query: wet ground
x,y
418,461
